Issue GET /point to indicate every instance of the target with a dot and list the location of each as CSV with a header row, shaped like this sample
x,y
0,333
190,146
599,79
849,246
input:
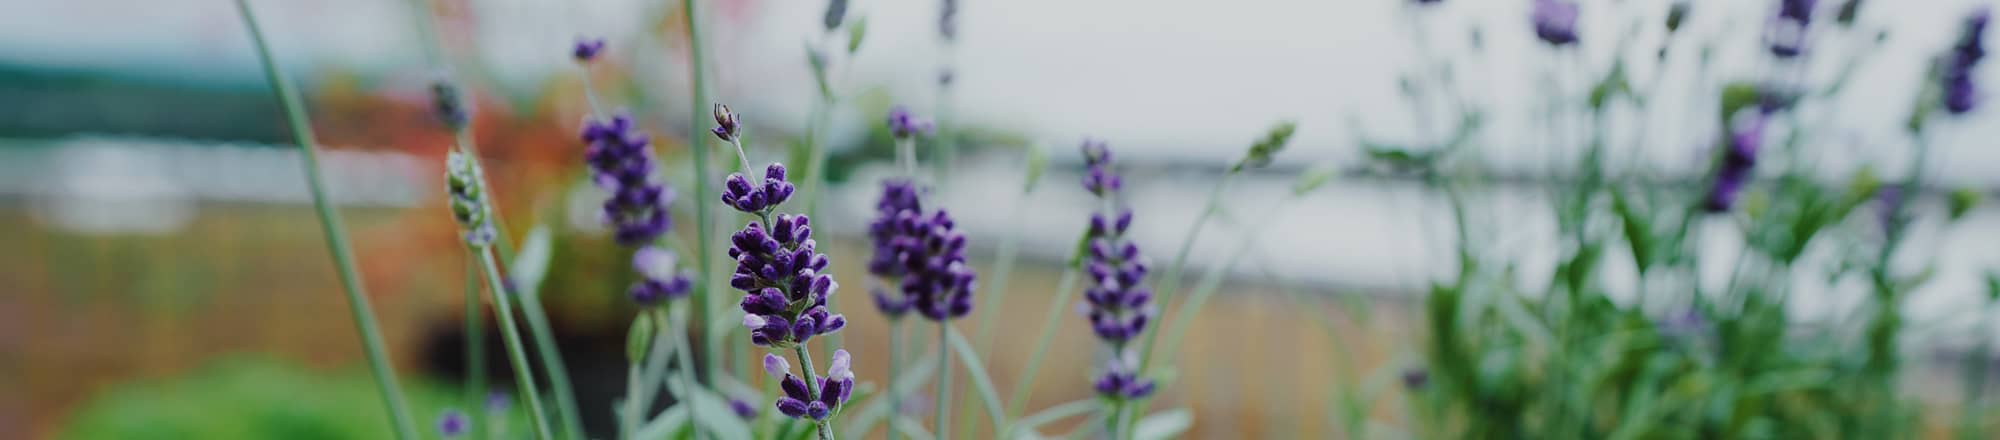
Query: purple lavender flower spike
x,y
779,270
1116,301
1555,21
587,49
1738,163
621,162
453,424
1786,33
1961,95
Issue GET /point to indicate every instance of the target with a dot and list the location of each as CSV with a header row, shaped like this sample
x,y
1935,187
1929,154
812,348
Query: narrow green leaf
x,y
980,380
531,264
1164,425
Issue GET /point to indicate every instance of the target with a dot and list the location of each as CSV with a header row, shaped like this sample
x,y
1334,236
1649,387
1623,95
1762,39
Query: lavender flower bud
x,y
726,124
836,10
777,366
463,183
587,49
1116,301
453,424
447,106
1676,15
1261,151
903,124
1555,21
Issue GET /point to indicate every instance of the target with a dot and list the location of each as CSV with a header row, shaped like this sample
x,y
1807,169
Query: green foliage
x,y
255,399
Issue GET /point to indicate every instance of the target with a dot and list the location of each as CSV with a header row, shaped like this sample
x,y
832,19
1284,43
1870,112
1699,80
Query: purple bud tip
x,y
587,49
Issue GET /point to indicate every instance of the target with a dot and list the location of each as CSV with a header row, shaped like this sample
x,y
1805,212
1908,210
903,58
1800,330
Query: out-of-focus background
x,y
159,257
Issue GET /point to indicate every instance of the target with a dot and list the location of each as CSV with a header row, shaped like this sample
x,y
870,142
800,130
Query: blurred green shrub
x,y
254,398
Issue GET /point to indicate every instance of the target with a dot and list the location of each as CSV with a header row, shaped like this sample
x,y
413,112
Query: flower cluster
x,y
1738,163
1960,94
899,199
1787,34
1555,21
931,252
621,162
463,182
660,279
1116,302
815,401
785,293
738,192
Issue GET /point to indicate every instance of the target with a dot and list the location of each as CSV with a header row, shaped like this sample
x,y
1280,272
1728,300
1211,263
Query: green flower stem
x,y
475,349
895,360
677,334
524,377
1003,268
825,427
705,298
1065,290
1172,279
545,347
943,388
335,235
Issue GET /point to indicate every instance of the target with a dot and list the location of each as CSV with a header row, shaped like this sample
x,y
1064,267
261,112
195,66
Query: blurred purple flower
x,y
1961,95
899,198
453,424
743,409
587,49
660,279
1555,21
621,162
1738,163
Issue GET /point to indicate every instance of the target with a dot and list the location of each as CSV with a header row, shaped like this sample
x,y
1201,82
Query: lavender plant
x,y
785,290
469,207
1117,303
1682,359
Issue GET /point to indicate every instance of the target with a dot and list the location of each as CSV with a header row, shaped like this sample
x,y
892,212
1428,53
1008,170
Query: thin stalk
x,y
943,402
1003,268
1065,290
895,360
1172,279
545,347
687,371
825,427
706,297
524,377
538,322
335,234
475,349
